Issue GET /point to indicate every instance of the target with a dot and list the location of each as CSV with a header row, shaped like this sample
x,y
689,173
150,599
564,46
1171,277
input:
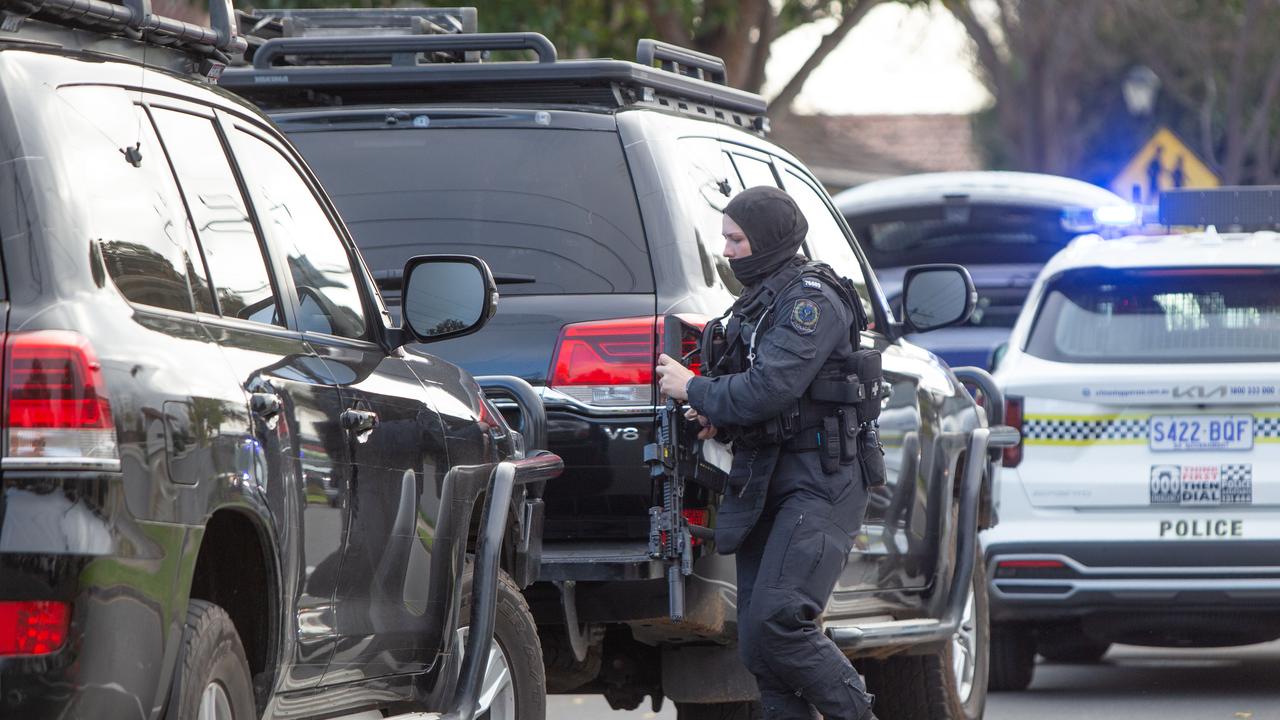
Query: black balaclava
x,y
774,227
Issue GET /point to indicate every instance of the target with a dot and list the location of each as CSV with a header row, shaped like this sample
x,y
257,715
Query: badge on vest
x,y
804,316
811,283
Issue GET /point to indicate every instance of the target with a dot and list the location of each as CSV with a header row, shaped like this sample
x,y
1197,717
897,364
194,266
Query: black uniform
x,y
790,521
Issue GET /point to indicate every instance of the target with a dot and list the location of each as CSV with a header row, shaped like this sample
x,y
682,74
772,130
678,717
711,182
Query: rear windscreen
x,y
551,211
1160,315
968,235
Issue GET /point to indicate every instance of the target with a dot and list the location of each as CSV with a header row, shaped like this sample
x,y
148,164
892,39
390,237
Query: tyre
x,y
515,684
1072,651
1013,658
719,711
950,684
212,677
564,672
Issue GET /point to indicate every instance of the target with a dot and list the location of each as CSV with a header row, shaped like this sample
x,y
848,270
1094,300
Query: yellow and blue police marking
x,y
1118,429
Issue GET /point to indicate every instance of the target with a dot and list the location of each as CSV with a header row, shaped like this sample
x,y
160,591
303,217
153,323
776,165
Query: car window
x,y
1160,315
120,179
754,171
231,249
551,211
826,239
711,182
328,296
965,234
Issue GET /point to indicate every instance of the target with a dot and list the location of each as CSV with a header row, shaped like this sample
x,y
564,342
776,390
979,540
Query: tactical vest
x,y
836,415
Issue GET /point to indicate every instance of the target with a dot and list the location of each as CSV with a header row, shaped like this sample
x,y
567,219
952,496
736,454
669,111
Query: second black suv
x,y
227,489
594,190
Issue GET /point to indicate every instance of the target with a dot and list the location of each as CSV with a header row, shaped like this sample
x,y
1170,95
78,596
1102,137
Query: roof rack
x,y
132,20
374,67
1244,208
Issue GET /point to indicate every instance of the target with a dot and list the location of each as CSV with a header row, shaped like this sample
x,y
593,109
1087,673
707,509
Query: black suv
x,y
593,188
227,490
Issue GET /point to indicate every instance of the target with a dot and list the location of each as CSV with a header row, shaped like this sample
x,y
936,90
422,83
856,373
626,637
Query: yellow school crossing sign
x,y
1164,162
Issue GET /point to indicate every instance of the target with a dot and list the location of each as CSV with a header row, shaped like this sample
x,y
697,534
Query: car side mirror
x,y
446,296
936,296
997,355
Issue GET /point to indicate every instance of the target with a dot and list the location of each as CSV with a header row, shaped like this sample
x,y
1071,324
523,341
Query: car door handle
x,y
358,422
264,405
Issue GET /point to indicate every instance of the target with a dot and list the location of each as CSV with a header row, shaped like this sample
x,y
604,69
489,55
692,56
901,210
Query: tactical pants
x,y
787,568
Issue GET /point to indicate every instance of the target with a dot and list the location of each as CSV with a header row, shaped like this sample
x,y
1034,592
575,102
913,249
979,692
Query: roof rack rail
x,y
366,64
1245,208
681,60
134,20
403,49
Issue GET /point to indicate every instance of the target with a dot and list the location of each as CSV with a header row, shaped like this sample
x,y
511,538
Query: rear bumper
x,y
67,537
1062,581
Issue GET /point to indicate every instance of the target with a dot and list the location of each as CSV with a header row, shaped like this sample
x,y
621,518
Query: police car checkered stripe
x,y
1050,430
1064,431
1266,428
1236,473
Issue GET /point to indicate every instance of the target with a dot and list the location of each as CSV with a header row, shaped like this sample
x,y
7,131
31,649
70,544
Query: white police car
x,y
1143,505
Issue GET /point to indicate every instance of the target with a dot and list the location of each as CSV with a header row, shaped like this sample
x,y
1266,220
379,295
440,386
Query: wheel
x,y
719,711
212,678
564,672
1013,658
950,684
514,685
1072,651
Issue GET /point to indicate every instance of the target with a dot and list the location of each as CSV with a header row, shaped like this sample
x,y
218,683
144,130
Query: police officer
x,y
790,513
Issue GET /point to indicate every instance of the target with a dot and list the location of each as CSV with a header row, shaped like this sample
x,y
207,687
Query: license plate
x,y
1201,432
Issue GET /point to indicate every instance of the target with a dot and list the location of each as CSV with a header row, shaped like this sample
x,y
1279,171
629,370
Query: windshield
x,y
1171,315
551,211
964,234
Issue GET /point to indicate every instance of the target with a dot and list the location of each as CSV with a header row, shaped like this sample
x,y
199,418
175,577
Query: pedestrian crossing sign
x,y
1164,162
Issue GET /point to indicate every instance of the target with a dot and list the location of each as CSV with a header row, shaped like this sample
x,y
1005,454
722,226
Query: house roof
x,y
848,150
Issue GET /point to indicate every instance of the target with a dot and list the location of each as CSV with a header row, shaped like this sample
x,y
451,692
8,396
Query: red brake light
x,y
696,516
55,381
55,398
32,627
610,362
606,362
1013,418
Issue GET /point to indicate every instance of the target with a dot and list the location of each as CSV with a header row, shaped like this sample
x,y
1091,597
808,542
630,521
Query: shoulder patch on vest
x,y
811,283
804,316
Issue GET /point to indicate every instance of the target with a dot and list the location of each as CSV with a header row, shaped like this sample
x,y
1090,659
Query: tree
x,y
1216,60
1046,62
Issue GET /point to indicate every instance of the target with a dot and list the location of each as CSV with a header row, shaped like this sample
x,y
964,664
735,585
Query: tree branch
x,y
666,18
987,55
852,15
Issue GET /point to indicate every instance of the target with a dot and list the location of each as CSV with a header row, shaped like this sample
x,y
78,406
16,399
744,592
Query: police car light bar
x,y
1116,215
1251,208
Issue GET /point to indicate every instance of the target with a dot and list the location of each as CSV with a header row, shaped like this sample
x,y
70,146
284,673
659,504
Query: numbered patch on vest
x,y
811,283
804,316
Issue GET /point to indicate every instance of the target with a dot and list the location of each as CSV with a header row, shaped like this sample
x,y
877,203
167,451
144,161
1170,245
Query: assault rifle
x,y
673,459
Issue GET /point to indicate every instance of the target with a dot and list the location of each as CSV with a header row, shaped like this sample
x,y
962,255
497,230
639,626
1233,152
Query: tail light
x,y
696,516
1013,418
56,408
609,363
32,627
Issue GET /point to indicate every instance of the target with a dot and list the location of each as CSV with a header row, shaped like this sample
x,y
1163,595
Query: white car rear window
x,y
1160,314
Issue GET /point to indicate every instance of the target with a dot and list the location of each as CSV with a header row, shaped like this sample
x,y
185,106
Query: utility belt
x,y
838,418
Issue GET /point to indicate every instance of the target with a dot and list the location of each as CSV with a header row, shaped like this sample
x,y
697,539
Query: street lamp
x,y
1140,87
